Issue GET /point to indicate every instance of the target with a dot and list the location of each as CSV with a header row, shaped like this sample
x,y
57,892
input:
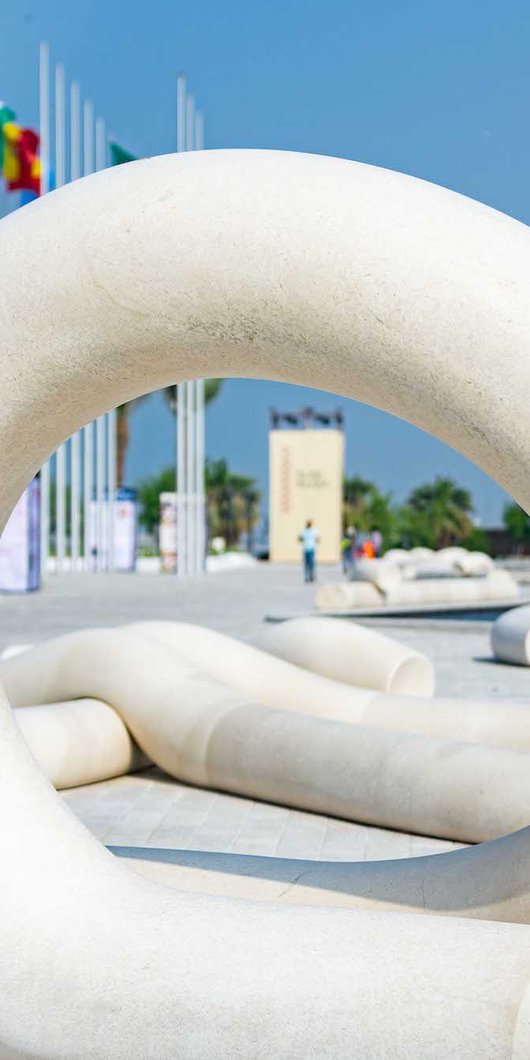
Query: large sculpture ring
x,y
281,266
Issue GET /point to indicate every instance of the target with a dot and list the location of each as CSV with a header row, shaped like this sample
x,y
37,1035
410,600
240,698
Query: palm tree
x,y
366,508
517,524
232,502
211,390
439,513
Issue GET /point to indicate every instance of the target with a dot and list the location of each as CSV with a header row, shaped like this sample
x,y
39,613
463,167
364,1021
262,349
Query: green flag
x,y
6,114
118,155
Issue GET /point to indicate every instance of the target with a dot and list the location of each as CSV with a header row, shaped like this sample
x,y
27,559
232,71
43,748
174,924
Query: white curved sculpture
x,y
498,586
204,733
349,653
325,273
346,652
80,742
474,882
510,636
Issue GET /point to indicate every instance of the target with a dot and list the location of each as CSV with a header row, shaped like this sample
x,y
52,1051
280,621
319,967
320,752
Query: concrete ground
x,y
149,809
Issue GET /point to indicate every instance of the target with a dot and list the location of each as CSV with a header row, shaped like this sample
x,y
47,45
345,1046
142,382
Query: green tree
x,y
149,492
437,514
366,508
517,523
124,412
232,500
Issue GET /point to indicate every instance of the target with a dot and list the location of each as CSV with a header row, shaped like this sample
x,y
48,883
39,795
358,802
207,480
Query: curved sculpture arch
x,y
312,270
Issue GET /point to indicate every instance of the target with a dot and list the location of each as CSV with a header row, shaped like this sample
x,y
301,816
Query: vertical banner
x,y
124,512
124,515
20,544
168,532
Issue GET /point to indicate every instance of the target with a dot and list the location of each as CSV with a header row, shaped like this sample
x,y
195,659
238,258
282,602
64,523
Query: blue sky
x,y
439,90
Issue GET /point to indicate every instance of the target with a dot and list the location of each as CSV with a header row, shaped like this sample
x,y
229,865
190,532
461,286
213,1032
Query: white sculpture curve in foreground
x,y
510,636
321,272
216,735
351,653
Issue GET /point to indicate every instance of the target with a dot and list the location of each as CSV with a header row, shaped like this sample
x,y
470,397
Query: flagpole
x,y
191,520
44,131
101,422
200,553
75,441
181,388
88,431
60,456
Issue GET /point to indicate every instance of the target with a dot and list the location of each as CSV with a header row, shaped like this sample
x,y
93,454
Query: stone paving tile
x,y
145,810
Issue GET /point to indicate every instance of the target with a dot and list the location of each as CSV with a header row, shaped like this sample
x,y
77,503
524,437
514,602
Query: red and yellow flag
x,y
21,164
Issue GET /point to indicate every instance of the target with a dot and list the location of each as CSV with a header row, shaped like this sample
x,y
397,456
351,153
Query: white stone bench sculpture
x,y
292,737
307,269
510,636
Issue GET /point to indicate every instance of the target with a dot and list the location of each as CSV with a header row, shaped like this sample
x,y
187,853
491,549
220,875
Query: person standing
x,y
348,549
377,541
309,539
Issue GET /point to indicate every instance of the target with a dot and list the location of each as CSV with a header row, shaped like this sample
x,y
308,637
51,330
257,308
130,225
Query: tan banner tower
x,y
306,472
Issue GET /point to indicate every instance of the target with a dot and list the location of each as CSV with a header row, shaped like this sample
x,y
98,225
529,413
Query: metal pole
x,y
101,422
199,480
180,437
190,476
75,441
191,515
100,492
88,431
199,130
200,552
181,113
112,423
44,130
60,179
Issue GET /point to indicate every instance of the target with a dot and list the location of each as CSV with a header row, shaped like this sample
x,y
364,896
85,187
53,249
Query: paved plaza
x,y
150,809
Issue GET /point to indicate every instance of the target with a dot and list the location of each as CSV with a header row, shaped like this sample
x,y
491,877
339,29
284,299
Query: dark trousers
x,y
309,565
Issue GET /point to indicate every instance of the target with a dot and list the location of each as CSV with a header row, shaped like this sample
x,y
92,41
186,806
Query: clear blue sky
x,y
439,90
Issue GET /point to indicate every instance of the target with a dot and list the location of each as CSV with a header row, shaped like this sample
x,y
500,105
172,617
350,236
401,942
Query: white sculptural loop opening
x,y
300,268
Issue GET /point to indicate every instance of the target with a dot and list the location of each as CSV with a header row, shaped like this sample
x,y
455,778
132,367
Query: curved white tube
x,y
204,733
351,653
306,269
510,636
497,586
78,742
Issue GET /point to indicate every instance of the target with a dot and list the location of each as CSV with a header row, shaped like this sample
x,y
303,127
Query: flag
x,y
118,155
21,164
6,115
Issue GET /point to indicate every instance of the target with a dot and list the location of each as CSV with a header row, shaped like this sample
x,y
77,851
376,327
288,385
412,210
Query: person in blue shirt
x,y
309,538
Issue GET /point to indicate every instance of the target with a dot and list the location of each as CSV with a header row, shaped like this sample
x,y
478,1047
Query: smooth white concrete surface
x,y
300,268
352,654
78,742
510,636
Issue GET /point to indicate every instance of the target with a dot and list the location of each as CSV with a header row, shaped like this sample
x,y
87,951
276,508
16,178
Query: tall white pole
x,y
181,388
200,552
181,113
75,442
112,426
191,414
88,431
199,479
44,130
60,179
101,422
